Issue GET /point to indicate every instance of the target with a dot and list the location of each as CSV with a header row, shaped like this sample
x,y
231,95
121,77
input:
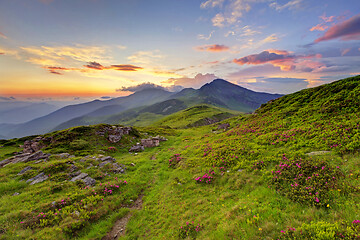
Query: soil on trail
x,y
119,227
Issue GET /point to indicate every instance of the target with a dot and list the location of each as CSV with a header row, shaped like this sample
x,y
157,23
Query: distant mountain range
x,y
148,104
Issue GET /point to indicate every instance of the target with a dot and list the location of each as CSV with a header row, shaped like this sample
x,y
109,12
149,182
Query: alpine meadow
x,y
167,119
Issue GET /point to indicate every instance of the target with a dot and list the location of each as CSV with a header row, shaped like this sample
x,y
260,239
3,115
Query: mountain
x,y
20,112
222,93
47,123
145,106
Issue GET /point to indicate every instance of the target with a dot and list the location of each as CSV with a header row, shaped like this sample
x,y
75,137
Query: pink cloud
x,y
347,30
213,48
287,61
319,27
3,35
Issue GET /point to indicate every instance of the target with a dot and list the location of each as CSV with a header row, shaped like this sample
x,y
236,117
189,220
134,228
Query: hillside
x,y
196,116
47,123
289,171
217,93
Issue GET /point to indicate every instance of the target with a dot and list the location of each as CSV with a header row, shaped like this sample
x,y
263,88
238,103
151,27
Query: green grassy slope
x,y
195,116
289,171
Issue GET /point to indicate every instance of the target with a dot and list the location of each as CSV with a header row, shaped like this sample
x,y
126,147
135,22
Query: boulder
x,y
79,177
89,181
107,158
150,142
137,148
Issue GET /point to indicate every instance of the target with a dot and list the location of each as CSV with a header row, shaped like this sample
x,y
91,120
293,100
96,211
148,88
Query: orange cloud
x,y
319,27
213,48
347,30
125,67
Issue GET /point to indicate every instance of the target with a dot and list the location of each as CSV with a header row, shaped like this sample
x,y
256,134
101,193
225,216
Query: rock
x,y
223,126
89,181
74,174
137,148
318,153
150,142
132,164
15,194
79,177
118,168
31,146
38,179
24,170
73,168
114,138
107,158
102,164
25,157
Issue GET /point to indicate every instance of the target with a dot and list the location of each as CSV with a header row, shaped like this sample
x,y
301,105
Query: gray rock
x,y
114,138
107,158
102,164
79,177
74,174
89,181
24,170
224,126
137,148
38,179
15,194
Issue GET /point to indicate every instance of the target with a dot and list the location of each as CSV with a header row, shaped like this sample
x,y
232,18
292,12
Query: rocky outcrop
x,y
24,170
37,179
25,157
31,146
84,177
113,133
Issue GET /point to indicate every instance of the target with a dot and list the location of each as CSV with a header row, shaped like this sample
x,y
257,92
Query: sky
x,y
72,49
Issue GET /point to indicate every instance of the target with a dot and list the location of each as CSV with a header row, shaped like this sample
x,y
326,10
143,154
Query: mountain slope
x,y
47,123
23,112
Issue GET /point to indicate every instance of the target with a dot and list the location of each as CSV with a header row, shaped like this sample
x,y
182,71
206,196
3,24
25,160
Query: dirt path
x,y
119,227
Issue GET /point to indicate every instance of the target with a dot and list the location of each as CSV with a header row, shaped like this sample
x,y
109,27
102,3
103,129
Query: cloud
x,y
278,58
203,37
345,51
3,35
105,97
323,25
195,82
347,30
291,5
94,65
213,48
231,12
118,67
140,87
274,84
2,53
46,1
145,57
7,98
125,67
79,53
211,3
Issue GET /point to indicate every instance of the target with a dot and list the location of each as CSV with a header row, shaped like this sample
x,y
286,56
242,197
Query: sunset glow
x,y
93,47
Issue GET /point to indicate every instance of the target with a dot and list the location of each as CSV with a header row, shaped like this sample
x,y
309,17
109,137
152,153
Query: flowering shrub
x,y
323,231
306,181
206,178
174,160
258,165
189,230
